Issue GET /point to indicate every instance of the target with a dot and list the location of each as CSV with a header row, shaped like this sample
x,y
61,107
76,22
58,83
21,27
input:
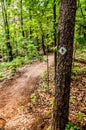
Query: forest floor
x,y
26,101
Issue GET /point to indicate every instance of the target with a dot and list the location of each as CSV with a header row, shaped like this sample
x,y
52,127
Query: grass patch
x,y
8,69
77,69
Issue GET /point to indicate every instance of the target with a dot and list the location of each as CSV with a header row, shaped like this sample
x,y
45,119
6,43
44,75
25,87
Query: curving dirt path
x,y
15,92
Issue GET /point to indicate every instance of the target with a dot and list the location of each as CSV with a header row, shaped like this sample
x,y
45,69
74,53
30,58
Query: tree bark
x,y
43,45
30,17
6,28
54,34
64,63
22,23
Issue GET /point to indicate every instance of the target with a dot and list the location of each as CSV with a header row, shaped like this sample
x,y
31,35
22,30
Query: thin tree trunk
x,y
15,38
6,28
30,25
48,89
43,45
64,63
38,45
54,22
22,23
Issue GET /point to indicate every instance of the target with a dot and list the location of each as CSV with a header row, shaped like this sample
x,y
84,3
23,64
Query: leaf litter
x,y
35,113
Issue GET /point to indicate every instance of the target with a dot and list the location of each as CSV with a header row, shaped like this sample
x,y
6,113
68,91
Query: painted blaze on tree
x,y
64,63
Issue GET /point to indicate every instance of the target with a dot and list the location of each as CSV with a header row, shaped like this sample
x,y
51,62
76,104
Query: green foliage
x,y
0,75
69,126
52,102
18,61
35,18
81,40
79,116
34,98
8,69
43,86
85,103
72,100
55,49
80,30
77,69
32,51
81,49
44,83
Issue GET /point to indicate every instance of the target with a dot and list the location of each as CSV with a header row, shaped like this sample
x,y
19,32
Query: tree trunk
x,y
30,17
22,23
43,45
54,34
6,28
64,63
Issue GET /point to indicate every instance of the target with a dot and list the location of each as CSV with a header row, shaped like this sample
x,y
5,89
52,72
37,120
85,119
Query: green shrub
x,y
71,126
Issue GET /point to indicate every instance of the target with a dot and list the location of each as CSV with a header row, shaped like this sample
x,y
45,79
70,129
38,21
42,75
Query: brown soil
x,y
19,112
16,92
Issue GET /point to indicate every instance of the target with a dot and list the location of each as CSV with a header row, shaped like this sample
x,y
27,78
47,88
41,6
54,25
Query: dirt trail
x,y
15,93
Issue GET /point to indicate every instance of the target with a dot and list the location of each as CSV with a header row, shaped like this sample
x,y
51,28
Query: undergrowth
x,y
70,126
8,69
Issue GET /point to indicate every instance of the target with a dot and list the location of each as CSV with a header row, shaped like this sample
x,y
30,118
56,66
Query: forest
x,y
42,65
